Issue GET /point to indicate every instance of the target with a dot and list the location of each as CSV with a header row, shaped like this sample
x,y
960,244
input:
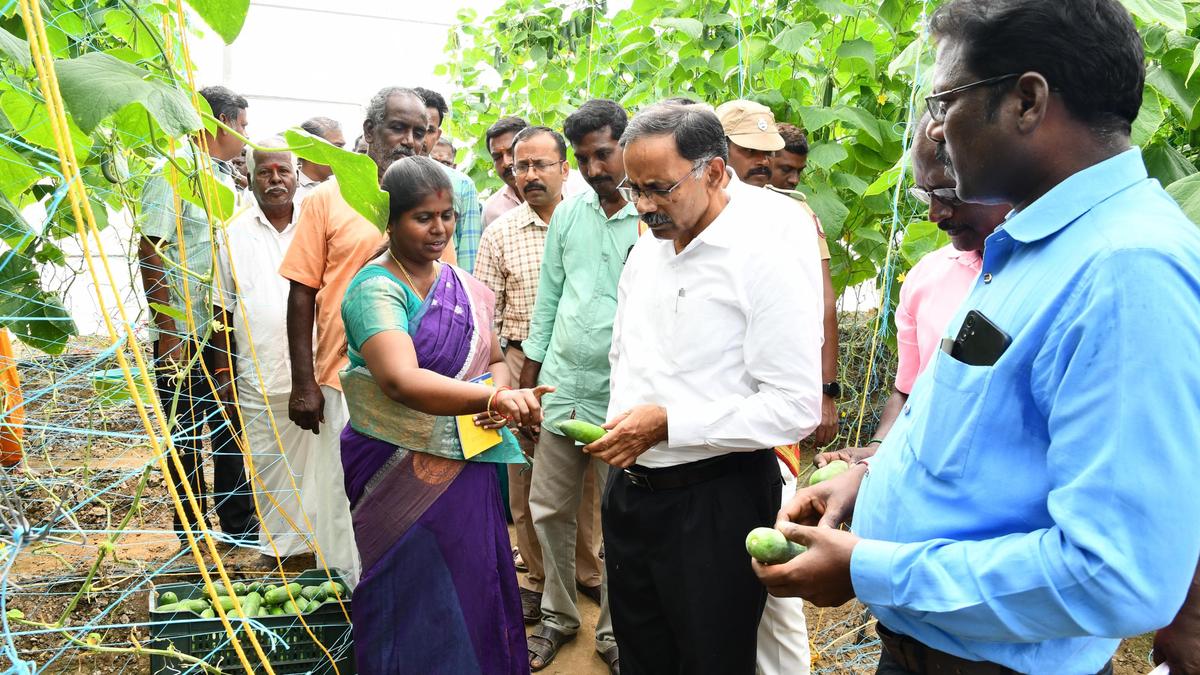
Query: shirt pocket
x,y
947,418
704,330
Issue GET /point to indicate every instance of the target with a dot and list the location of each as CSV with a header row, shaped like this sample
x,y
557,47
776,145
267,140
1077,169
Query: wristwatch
x,y
832,389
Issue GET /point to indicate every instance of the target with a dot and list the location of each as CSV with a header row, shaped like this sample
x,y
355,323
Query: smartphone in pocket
x,y
980,342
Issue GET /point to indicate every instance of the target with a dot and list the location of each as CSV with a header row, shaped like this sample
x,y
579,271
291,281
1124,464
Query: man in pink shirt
x,y
936,285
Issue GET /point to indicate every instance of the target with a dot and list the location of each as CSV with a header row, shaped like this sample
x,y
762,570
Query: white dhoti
x,y
782,631
324,492
280,467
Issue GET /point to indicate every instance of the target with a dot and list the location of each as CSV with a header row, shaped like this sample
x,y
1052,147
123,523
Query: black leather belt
x,y
917,658
692,473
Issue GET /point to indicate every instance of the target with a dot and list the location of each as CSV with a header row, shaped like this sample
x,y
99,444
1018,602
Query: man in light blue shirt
x,y
1025,514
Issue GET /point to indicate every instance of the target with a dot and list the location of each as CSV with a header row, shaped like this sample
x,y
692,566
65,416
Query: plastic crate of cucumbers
x,y
182,616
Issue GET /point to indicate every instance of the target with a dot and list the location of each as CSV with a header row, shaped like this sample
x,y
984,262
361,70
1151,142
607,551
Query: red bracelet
x,y
492,399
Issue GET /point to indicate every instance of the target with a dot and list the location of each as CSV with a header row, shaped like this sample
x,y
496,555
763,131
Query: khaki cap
x,y
750,125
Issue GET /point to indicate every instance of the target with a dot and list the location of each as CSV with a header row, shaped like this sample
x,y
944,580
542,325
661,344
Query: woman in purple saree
x,y
438,592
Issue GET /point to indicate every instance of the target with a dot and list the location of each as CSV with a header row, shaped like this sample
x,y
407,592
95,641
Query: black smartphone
x,y
980,342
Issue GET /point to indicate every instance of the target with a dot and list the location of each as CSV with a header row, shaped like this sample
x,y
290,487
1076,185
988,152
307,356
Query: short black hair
x,y
794,140
224,102
594,116
319,126
530,132
680,100
434,100
697,132
1088,50
505,125
409,181
445,140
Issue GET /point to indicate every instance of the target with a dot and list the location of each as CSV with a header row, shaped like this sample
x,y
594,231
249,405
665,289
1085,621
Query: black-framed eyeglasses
x,y
937,106
632,194
947,196
539,166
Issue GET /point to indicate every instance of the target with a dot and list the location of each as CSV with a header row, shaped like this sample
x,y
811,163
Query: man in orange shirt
x,y
332,242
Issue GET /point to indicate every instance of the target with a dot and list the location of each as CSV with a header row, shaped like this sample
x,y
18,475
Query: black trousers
x,y
888,666
683,596
195,409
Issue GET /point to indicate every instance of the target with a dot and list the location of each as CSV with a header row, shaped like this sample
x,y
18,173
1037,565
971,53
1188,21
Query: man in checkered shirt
x,y
509,262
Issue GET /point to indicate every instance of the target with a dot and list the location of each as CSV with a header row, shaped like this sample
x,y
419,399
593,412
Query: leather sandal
x,y
612,659
544,644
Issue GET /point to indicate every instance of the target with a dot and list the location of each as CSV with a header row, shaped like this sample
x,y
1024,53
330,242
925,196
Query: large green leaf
x,y
15,173
1175,88
826,155
1149,118
97,85
29,118
1187,193
792,39
15,48
1166,163
1170,13
37,318
690,27
921,238
357,175
224,16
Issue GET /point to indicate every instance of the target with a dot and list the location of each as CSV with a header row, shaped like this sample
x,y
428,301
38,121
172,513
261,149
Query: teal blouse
x,y
375,301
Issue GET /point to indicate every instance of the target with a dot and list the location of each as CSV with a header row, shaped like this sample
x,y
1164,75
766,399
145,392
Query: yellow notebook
x,y
476,440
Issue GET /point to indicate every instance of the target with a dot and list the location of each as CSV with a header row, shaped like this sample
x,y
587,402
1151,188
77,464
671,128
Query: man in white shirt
x,y
253,301
715,360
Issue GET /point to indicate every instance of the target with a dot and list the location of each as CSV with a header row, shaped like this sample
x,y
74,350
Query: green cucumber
x,y
208,614
167,598
310,592
333,589
834,468
769,546
226,603
276,611
290,607
254,587
278,596
196,605
583,432
251,603
170,607
239,588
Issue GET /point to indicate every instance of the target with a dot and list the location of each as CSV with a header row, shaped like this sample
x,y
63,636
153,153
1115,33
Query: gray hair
x,y
375,109
698,134
319,126
276,144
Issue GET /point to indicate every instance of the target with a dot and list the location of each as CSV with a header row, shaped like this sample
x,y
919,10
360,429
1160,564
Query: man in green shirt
x,y
589,237
175,257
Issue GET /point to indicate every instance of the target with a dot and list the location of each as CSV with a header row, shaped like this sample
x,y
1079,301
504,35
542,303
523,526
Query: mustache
x,y
759,171
534,186
401,152
656,219
508,172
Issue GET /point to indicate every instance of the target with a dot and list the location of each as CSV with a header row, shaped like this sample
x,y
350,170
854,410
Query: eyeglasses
x,y
632,193
538,166
937,106
947,196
